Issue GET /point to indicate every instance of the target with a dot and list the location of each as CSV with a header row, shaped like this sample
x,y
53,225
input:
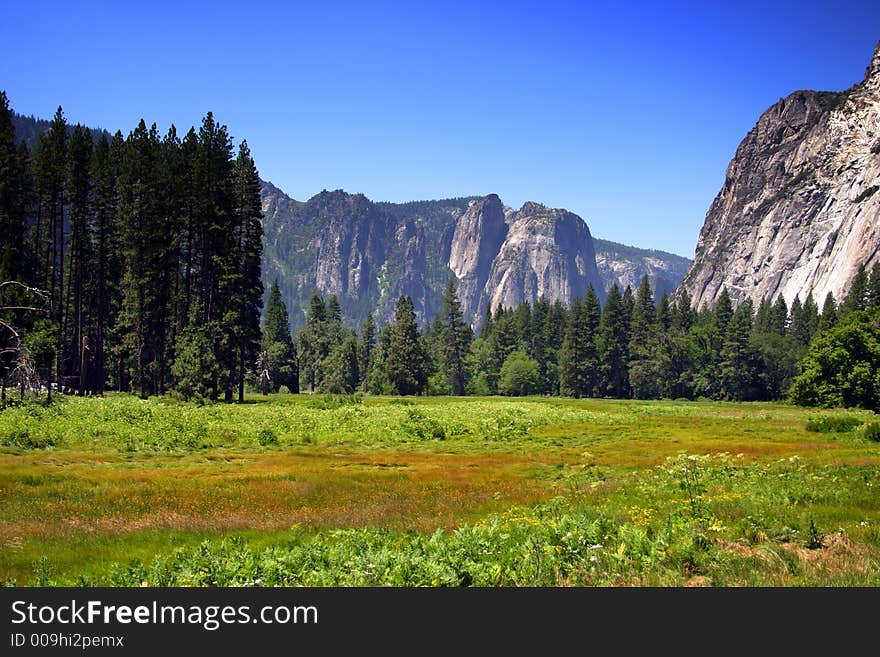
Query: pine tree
x,y
873,292
829,313
13,205
663,313
455,337
406,360
48,233
537,347
779,316
857,297
139,217
366,350
313,344
333,322
78,300
570,375
195,368
554,330
723,311
108,265
247,291
614,344
763,322
341,373
646,357
681,315
281,361
811,317
738,367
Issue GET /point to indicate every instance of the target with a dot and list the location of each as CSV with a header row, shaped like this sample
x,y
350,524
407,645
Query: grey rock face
x,y
627,265
800,209
368,254
547,252
479,234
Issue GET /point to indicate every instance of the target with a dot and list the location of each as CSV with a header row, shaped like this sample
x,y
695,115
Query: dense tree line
x,y
630,348
148,249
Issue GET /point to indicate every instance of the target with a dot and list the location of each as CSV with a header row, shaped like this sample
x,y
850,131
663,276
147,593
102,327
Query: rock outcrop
x,y
547,252
368,254
799,211
627,265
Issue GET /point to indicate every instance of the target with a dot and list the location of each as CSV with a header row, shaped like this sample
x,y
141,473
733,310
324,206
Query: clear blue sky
x,y
626,113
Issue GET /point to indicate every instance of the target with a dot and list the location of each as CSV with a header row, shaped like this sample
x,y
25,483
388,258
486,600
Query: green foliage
x,y
519,375
406,361
195,368
693,517
872,432
842,364
833,423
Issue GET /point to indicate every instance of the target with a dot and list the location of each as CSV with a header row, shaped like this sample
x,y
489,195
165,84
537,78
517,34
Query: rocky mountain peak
x,y
531,208
799,211
872,73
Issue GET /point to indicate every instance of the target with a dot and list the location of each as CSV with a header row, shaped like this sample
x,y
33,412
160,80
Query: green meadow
x,y
437,491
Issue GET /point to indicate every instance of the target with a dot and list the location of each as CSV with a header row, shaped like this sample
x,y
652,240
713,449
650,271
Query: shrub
x,y
267,437
833,423
519,375
419,425
872,432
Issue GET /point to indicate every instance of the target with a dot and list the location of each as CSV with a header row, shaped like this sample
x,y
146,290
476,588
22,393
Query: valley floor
x,y
328,491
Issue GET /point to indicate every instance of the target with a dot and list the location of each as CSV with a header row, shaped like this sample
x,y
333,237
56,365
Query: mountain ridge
x,y
367,253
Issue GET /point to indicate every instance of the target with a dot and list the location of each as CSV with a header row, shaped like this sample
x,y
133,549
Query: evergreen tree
x,y
873,292
763,322
243,278
406,363
13,205
663,313
48,239
829,313
681,315
313,341
798,328
333,322
811,317
779,316
570,374
537,347
195,368
140,217
280,352
341,373
614,344
647,358
455,337
366,349
857,297
723,311
108,264
739,361
79,301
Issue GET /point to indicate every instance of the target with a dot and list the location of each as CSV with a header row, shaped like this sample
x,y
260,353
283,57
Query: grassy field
x,y
298,490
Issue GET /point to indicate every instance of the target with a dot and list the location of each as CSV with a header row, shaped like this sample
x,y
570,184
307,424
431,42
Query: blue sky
x,y
626,113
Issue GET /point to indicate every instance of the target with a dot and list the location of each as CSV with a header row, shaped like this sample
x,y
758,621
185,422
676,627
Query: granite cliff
x,y
799,210
369,253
